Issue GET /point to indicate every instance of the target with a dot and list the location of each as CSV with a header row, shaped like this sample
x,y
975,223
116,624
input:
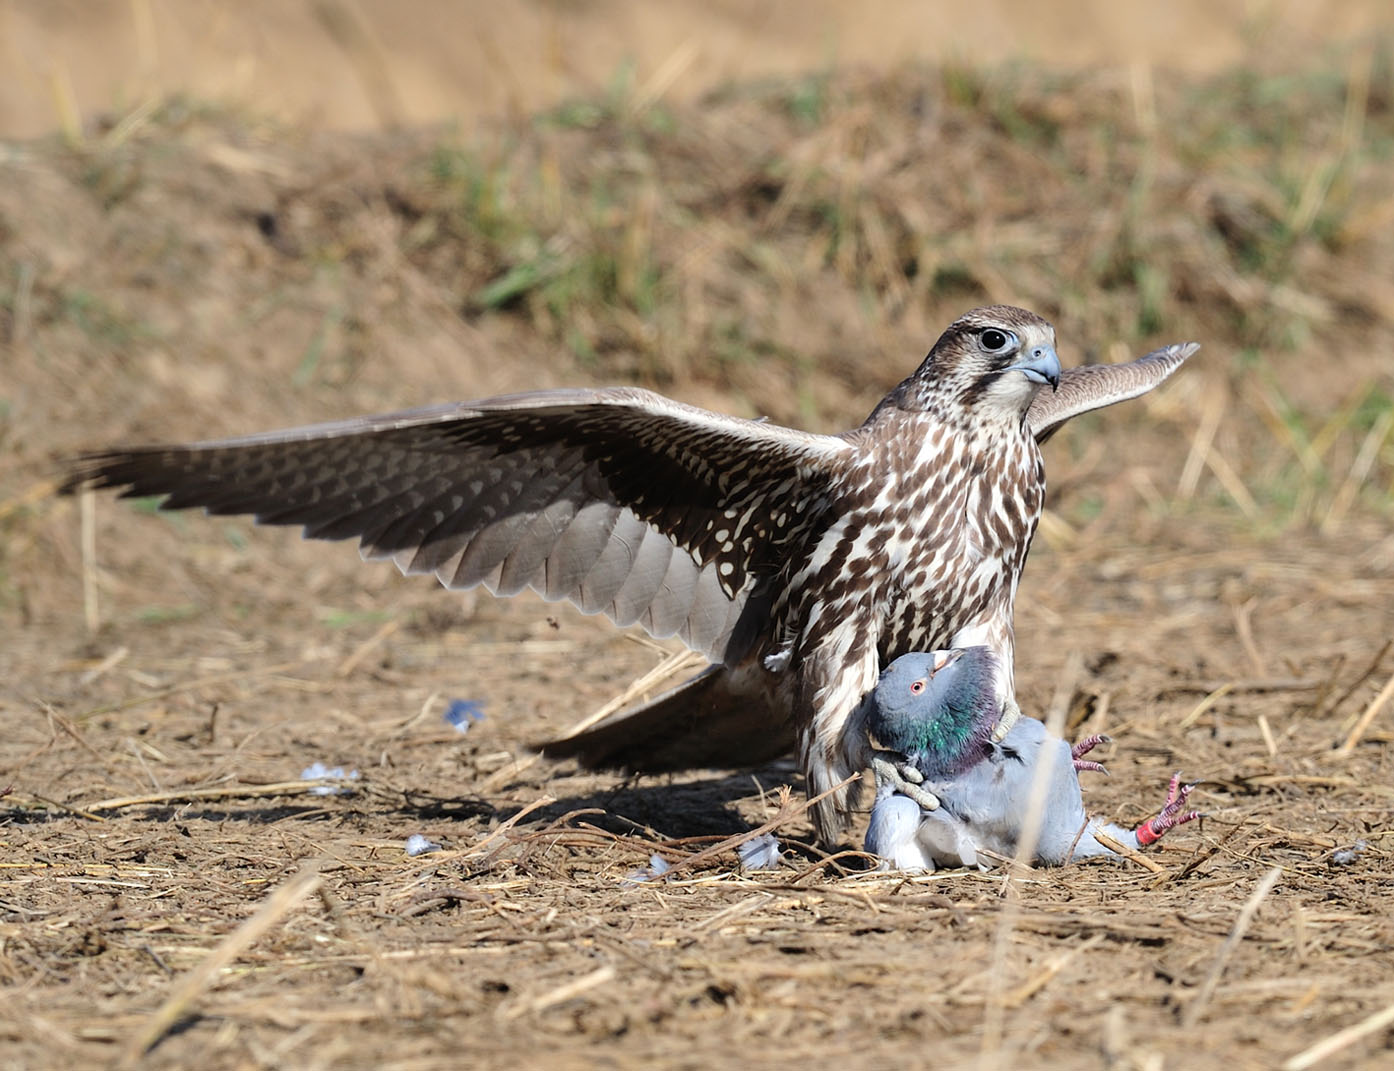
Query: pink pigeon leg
x,y
1171,814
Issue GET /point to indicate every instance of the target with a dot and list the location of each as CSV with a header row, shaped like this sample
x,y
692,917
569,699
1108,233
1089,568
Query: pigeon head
x,y
993,358
937,708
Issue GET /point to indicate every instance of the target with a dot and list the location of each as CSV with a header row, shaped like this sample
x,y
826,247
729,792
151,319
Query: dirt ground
x,y
1213,585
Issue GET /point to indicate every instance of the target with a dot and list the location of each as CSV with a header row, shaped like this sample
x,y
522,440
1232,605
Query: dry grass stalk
x,y
1370,671
222,792
1372,711
1128,853
87,510
1359,470
188,686
994,1009
504,827
788,810
1201,1001
1233,483
562,993
675,663
36,492
1329,1047
279,904
1250,684
1204,705
1202,442
1244,629
1024,992
1269,741
364,649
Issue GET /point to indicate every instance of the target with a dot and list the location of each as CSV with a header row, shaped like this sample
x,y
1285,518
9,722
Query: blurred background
x,y
360,64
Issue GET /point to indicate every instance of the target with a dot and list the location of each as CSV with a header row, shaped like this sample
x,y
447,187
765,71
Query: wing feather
x,y
578,549
597,591
526,563
612,499
711,615
1095,386
668,609
645,578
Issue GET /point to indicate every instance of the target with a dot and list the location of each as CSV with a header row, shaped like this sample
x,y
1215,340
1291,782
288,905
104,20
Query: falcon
x,y
798,564
935,712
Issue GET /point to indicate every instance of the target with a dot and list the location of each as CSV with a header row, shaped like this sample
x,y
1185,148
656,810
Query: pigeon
x,y
934,713
799,564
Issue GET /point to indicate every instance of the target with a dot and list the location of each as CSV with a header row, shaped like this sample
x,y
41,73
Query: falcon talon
x,y
903,779
1010,714
888,764
796,563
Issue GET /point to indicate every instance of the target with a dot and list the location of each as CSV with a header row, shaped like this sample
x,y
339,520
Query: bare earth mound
x,y
1213,585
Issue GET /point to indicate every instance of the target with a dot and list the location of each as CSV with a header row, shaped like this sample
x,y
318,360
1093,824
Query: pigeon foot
x,y
1083,747
1171,814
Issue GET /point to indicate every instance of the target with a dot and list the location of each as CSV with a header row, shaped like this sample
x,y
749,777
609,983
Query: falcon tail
x,y
714,720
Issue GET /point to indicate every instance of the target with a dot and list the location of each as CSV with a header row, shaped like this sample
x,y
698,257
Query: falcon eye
x,y
995,341
917,687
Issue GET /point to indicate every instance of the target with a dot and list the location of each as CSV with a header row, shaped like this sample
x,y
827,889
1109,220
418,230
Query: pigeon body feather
x,y
984,789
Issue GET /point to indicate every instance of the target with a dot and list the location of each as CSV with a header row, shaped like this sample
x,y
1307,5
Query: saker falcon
x,y
799,564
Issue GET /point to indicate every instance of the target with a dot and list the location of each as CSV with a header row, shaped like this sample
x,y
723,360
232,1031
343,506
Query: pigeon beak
x,y
1040,365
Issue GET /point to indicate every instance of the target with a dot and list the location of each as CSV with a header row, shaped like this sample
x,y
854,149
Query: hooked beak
x,y
1040,365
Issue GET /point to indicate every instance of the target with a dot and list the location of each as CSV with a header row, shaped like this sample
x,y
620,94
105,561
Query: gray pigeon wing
x,y
1095,386
1065,816
619,500
892,833
947,841
991,797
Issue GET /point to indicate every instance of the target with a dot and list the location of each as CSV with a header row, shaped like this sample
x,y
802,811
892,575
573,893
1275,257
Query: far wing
x,y
1098,385
621,501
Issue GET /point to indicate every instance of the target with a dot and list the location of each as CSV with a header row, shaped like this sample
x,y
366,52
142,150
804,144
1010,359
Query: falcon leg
x,y
1088,744
1011,714
902,778
1171,814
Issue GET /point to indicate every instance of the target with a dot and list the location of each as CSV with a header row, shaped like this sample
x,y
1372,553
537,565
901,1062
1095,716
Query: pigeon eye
x,y
917,687
996,341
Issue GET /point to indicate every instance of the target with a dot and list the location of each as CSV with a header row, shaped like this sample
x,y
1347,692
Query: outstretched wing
x,y
619,500
1097,385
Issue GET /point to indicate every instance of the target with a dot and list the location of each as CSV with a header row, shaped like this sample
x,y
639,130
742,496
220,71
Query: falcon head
x,y
991,359
937,708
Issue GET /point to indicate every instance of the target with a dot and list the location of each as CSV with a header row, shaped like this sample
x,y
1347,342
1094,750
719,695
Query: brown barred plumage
x,y
798,563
